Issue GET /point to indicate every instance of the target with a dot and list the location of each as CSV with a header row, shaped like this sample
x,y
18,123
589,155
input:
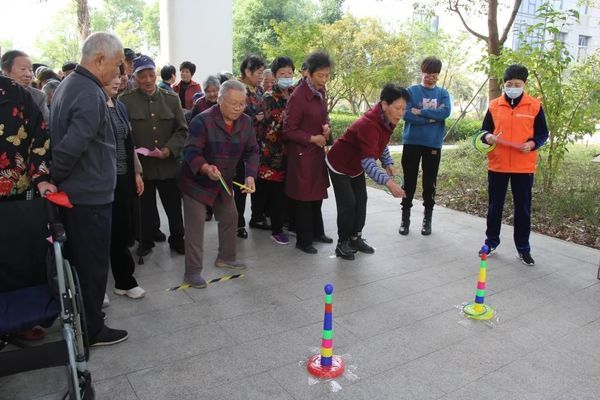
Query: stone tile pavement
x,y
395,319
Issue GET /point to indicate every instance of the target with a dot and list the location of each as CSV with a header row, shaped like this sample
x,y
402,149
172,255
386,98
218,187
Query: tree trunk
x,y
494,46
83,19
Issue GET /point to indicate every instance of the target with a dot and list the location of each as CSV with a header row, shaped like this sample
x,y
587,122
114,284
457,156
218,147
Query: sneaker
x,y
106,301
308,249
108,336
159,236
260,224
526,259
133,293
280,238
359,244
234,264
195,281
490,251
242,233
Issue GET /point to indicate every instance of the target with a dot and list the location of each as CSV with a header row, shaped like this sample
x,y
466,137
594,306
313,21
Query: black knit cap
x,y
516,71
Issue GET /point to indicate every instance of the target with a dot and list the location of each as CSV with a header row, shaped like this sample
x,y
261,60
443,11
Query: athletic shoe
x,y
234,264
133,293
108,336
490,251
195,281
280,238
359,244
526,259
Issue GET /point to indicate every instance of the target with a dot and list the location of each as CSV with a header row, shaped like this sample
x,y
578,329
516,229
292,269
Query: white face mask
x,y
285,83
513,92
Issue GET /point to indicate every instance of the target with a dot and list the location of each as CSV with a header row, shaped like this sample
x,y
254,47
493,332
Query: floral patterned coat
x,y
24,141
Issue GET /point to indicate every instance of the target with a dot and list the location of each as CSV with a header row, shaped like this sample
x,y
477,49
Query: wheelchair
x,y
37,287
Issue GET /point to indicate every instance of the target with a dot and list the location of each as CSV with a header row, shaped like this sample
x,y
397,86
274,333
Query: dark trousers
x,y
121,261
520,185
239,197
171,200
429,158
269,196
351,202
309,221
87,249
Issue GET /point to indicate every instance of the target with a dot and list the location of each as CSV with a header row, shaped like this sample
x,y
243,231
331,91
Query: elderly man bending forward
x,y
219,137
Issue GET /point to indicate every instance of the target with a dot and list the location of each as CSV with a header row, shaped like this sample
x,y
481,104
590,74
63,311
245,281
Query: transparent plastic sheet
x,y
469,322
335,385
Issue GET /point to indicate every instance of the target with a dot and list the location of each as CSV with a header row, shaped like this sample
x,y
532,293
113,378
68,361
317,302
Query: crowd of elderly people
x,y
114,135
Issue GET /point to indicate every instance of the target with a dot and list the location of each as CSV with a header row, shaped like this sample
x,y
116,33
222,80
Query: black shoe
x,y
108,336
526,259
489,253
209,216
426,230
344,250
323,239
404,227
143,251
180,248
242,233
309,249
359,244
260,224
158,236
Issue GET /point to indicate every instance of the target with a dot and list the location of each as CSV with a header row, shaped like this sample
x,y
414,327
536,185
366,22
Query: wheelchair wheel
x,y
79,321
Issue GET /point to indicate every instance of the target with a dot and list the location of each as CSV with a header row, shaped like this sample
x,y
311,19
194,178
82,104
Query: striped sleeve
x,y
386,158
374,172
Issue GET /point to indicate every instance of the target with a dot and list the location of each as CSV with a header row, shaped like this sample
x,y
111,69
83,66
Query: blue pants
x,y
520,185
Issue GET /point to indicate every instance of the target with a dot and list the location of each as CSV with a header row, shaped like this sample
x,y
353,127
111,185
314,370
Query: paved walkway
x,y
395,319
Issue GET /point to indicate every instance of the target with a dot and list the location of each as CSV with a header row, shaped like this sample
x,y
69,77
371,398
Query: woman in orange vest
x,y
517,125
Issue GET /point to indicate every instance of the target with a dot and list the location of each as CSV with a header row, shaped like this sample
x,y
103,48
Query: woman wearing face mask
x,y
353,155
271,172
520,119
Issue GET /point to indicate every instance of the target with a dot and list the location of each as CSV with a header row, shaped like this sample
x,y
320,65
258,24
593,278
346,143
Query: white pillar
x,y
200,31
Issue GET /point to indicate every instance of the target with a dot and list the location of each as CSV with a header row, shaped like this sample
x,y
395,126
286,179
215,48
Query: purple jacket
x,y
305,115
209,142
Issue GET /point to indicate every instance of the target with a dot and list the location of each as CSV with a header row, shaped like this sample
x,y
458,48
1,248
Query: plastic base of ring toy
x,y
315,368
486,314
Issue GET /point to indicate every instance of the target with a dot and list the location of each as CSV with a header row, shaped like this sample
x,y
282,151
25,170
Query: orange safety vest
x,y
514,125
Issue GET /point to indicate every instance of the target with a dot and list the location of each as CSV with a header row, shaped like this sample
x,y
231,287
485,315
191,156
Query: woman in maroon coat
x,y
306,128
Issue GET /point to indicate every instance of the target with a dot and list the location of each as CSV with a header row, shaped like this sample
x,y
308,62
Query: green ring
x,y
478,144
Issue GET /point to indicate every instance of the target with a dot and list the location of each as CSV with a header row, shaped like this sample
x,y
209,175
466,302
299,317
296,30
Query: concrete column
x,y
200,31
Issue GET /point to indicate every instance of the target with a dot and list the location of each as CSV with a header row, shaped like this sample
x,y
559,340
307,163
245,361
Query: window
x,y
532,6
582,46
561,37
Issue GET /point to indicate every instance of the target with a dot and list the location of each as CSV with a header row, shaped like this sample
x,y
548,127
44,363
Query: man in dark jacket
x,y
84,166
158,124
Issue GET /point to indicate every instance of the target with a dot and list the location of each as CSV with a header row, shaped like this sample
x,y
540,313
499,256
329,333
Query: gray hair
x,y
50,86
103,43
230,85
211,80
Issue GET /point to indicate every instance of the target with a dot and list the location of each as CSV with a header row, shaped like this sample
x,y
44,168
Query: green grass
x,y
570,210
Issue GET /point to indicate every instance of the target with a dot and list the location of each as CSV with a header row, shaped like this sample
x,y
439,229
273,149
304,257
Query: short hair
x,y
251,62
431,65
46,75
8,59
392,92
103,43
281,62
230,85
317,60
225,76
211,80
189,66
50,86
167,72
516,71
129,54
69,66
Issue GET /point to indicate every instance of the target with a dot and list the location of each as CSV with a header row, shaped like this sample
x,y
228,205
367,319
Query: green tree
x,y
330,11
569,91
253,22
61,41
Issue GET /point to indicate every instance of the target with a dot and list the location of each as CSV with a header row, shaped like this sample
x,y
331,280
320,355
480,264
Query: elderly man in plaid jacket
x,y
218,138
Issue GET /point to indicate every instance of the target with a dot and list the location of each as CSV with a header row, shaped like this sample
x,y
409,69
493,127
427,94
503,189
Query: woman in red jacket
x,y
306,128
353,155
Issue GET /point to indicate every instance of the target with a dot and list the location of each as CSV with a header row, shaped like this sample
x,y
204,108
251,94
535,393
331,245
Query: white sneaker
x,y
106,301
133,293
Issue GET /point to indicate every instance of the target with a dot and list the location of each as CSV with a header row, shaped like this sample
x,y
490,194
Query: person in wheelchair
x,y
24,154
